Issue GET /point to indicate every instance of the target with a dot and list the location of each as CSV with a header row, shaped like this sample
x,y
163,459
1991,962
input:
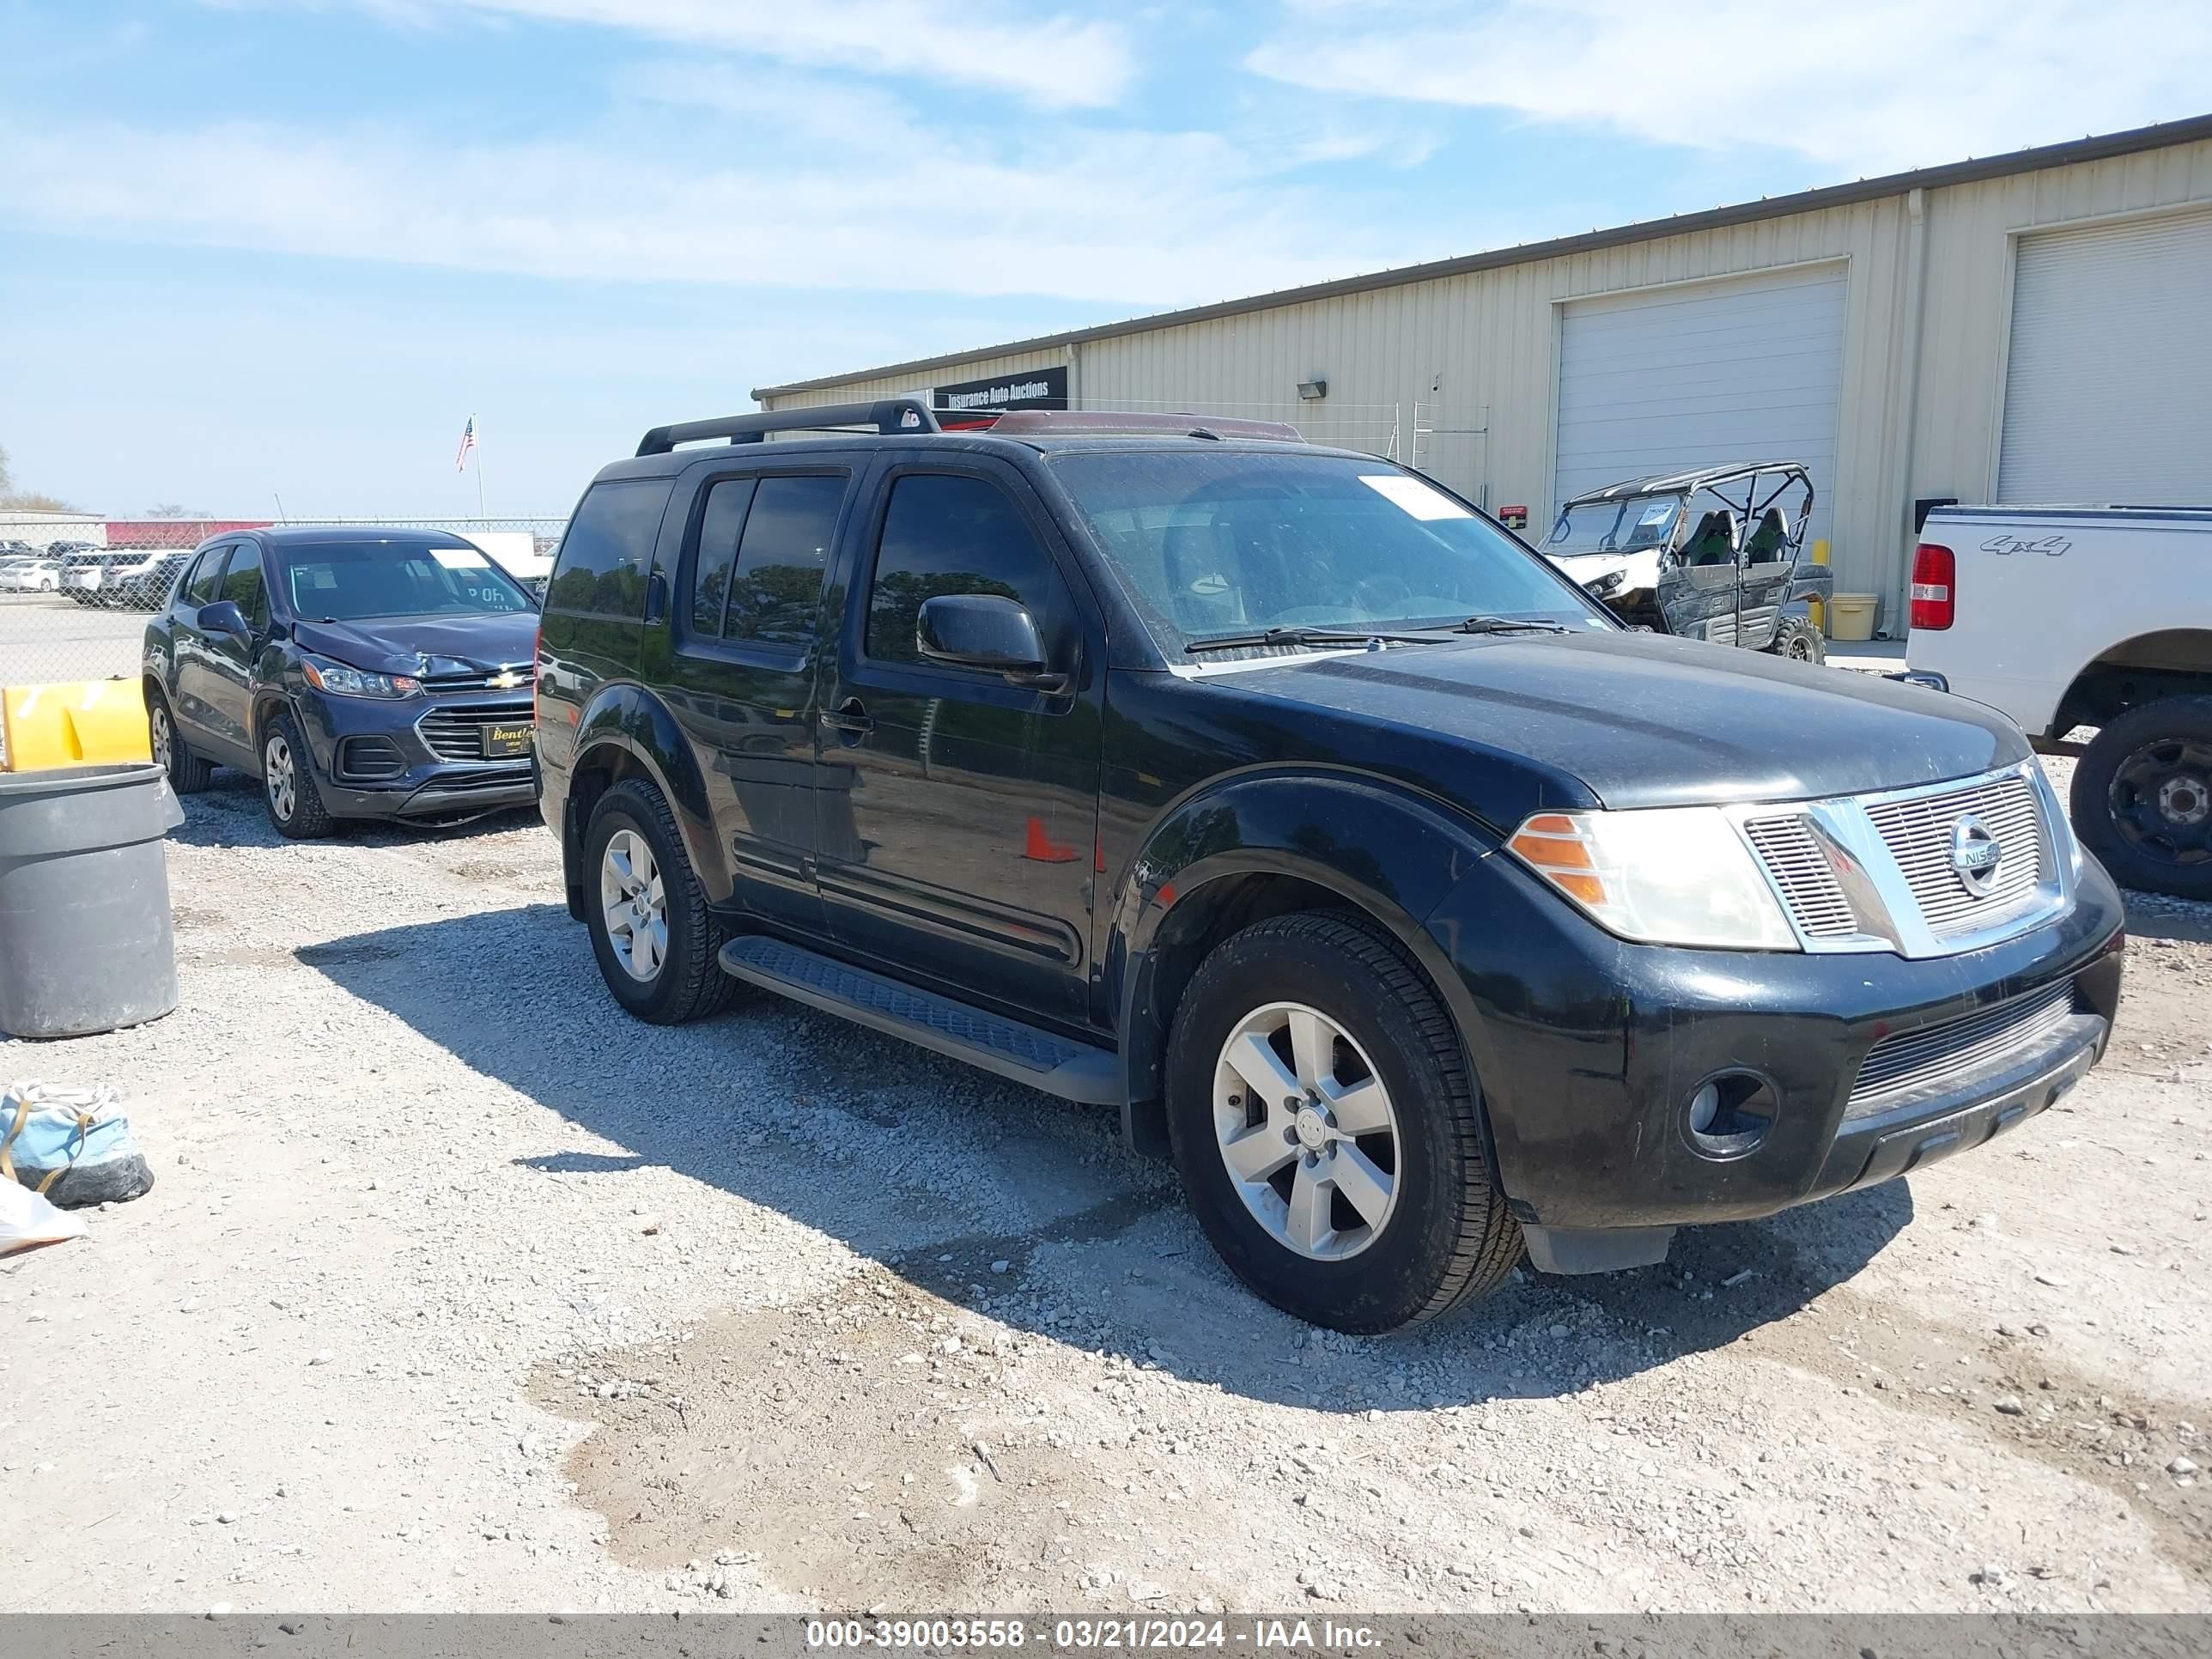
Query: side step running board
x,y
1073,1070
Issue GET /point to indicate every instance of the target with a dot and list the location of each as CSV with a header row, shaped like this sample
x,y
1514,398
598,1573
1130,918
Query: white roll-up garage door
x,y
2108,377
1745,369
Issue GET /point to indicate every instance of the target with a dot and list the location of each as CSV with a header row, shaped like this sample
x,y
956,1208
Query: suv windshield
x,y
1231,542
1621,526
345,581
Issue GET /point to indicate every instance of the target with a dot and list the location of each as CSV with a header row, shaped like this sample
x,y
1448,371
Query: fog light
x,y
1729,1114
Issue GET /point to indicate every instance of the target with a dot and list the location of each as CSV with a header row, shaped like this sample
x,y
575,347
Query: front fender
x,y
1378,847
630,720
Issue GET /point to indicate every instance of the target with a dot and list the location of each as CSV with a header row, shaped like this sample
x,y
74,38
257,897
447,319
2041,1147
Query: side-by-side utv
x,y
1713,553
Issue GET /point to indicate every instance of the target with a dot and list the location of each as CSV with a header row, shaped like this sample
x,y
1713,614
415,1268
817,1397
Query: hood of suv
x,y
1645,720
424,645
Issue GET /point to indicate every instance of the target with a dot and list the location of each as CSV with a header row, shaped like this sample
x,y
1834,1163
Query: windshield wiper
x,y
1307,637
1507,625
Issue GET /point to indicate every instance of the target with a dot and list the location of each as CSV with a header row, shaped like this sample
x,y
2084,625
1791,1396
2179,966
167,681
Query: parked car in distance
x,y
32,575
357,673
86,575
1275,797
146,587
124,579
2101,616
1714,554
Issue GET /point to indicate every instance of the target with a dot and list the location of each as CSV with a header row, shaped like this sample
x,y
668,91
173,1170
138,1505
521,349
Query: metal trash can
x,y
85,944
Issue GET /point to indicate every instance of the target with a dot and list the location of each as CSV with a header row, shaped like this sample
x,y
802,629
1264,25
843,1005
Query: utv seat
x,y
1771,541
1714,542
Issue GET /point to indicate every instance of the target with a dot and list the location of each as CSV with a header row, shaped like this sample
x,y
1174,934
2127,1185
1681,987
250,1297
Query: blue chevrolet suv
x,y
359,673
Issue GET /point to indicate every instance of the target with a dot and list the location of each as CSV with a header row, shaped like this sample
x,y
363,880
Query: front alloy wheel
x,y
634,905
1328,1129
1306,1130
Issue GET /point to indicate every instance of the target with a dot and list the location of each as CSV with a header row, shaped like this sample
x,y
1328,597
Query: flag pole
x,y
480,499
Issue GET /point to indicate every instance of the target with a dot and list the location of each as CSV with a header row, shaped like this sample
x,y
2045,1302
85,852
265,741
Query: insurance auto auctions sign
x,y
1033,388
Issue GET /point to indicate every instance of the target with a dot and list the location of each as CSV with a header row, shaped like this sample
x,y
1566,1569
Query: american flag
x,y
468,442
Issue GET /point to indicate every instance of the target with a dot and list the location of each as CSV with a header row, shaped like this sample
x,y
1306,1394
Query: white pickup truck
x,y
2070,617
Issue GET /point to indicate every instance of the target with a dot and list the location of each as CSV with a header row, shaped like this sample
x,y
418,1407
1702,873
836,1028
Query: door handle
x,y
656,597
848,719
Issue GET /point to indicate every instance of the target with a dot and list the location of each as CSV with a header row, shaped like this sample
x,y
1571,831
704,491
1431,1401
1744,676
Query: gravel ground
x,y
460,1290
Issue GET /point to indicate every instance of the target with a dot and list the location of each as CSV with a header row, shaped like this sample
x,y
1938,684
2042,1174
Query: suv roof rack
x,y
912,416
1103,422
887,414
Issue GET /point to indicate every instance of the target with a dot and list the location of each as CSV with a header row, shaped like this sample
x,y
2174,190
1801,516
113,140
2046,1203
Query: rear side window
x,y
243,587
782,558
206,575
945,534
718,529
603,558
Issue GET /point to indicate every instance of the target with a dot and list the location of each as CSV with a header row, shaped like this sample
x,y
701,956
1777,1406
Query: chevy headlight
x,y
1671,875
336,677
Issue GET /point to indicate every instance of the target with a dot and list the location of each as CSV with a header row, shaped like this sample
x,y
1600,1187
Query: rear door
x,y
229,659
194,695
1772,522
746,633
958,809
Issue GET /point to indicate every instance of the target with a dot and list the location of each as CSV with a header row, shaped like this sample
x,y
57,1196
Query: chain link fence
x,y
76,591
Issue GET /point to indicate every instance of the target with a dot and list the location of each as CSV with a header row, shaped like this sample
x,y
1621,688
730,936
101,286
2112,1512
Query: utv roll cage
x,y
914,417
1791,475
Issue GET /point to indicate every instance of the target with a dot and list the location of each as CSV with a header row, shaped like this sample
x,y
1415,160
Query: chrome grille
x,y
1917,832
457,733
1795,864
1935,1054
508,678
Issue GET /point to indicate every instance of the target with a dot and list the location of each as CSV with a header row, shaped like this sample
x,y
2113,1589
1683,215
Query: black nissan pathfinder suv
x,y
1277,798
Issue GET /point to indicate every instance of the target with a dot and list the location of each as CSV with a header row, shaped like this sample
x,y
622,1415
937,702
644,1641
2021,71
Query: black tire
x,y
2142,800
298,812
1796,638
188,773
688,982
1448,1237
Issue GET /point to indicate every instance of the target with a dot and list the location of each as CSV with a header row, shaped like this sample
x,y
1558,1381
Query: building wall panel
x,y
1481,347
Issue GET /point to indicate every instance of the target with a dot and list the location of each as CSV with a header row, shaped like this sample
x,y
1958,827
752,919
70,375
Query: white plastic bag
x,y
27,1220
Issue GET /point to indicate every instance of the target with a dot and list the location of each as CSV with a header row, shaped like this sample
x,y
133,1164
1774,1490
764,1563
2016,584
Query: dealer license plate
x,y
506,742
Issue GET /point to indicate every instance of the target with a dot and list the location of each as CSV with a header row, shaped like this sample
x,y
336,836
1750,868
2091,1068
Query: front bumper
x,y
414,780
1589,1050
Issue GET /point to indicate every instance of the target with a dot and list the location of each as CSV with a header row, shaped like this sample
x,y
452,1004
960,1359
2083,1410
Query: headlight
x,y
1672,875
346,682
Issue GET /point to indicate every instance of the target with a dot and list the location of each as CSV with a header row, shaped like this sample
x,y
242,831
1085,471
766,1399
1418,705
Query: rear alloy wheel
x,y
633,905
188,773
2142,800
288,789
656,941
1326,1125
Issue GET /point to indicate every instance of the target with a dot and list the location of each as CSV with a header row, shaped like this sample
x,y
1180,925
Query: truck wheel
x,y
188,773
2143,797
1324,1121
1796,638
288,789
655,939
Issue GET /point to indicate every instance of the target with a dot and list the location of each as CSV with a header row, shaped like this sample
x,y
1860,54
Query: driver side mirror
x,y
987,631
223,616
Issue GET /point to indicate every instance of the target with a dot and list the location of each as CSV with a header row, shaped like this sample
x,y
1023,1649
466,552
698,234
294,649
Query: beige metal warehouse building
x,y
2030,327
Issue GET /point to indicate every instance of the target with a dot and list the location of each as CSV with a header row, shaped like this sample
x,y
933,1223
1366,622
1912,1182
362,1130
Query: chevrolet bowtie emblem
x,y
506,680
